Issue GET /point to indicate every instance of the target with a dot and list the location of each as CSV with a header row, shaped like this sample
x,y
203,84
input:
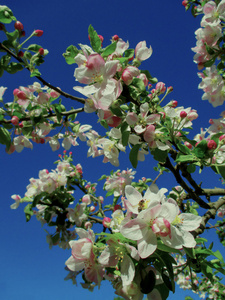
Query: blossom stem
x,y
66,95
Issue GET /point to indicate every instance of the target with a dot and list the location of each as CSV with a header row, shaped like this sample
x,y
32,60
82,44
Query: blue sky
x,y
29,270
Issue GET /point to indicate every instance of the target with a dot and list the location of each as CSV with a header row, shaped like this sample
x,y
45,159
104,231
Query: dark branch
x,y
66,95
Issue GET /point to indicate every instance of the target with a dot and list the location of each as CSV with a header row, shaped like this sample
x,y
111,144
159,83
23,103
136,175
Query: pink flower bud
x,y
169,89
211,121
183,114
87,225
15,120
18,25
144,78
86,199
15,92
222,137
54,94
38,32
41,51
21,95
188,145
92,208
185,3
101,199
117,206
129,73
211,145
174,103
20,54
160,87
115,37
106,222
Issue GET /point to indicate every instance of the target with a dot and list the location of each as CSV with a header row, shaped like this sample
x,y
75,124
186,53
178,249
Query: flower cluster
x,y
208,48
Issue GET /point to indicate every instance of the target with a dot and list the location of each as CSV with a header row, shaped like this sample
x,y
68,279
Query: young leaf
x,y
94,39
133,156
70,54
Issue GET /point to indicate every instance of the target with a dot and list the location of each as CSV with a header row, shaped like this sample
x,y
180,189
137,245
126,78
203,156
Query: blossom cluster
x,y
209,37
191,281
137,230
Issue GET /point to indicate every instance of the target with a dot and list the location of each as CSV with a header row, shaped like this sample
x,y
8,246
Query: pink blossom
x,y
129,73
142,52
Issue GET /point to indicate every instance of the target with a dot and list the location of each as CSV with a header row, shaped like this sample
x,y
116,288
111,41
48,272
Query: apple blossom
x,y
142,52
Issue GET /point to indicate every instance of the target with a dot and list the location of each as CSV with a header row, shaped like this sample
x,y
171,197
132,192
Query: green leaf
x,y
5,137
183,148
201,149
70,54
125,137
13,68
191,168
159,155
28,211
163,290
138,83
34,47
210,62
190,252
133,156
168,282
109,49
35,73
94,39
5,60
12,36
6,15
219,170
129,53
185,158
207,271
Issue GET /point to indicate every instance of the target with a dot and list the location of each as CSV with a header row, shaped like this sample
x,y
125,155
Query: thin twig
x,y
66,95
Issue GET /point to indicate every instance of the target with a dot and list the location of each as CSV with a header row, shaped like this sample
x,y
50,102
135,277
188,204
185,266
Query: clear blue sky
x,y
29,270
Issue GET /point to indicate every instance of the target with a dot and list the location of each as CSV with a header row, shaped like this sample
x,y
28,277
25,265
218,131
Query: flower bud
x,y
185,3
86,199
211,145
41,51
20,54
174,103
106,222
115,38
129,73
18,25
117,206
15,120
92,208
38,32
183,114
160,87
187,144
21,95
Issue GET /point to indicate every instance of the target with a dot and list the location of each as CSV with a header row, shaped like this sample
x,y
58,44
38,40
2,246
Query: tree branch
x,y
210,214
66,113
184,185
66,95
